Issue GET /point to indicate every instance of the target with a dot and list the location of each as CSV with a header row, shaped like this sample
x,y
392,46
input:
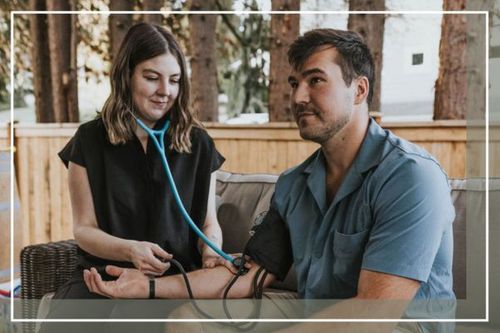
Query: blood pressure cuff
x,y
270,246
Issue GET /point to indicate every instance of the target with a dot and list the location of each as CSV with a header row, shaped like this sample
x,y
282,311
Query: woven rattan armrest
x,y
46,267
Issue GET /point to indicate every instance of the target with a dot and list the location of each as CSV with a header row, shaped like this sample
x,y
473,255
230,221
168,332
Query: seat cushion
x,y
243,198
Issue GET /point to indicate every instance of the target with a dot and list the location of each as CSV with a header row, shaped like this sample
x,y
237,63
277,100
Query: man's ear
x,y
362,89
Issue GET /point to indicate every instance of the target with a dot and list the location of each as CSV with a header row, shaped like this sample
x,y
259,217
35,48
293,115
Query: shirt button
x,y
318,252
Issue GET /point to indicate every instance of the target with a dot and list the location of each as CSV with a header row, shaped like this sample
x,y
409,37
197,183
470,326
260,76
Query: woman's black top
x,y
131,195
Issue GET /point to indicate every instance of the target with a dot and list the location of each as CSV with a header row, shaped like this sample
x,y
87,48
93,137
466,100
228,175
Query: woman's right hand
x,y
149,257
220,261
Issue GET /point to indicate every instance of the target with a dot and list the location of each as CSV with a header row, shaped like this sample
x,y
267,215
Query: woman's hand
x,y
149,258
130,283
220,261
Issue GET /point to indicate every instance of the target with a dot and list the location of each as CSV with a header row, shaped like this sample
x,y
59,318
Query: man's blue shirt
x,y
392,214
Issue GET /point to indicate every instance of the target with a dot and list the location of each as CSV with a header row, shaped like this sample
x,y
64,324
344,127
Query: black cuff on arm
x,y
270,246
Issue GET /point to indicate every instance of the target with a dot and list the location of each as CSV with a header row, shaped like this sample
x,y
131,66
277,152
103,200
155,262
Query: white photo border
x,y
308,12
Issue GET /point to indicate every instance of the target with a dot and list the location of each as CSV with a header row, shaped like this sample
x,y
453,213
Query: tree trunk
x,y
284,30
204,85
451,85
118,25
476,58
152,5
371,28
73,110
40,57
62,46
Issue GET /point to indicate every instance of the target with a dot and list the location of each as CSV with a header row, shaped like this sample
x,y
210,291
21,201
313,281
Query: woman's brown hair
x,y
144,41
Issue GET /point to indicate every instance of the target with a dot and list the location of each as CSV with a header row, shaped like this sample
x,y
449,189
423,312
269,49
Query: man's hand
x,y
131,283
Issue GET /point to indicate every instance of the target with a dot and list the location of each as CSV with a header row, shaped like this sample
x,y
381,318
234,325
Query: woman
x,y
123,210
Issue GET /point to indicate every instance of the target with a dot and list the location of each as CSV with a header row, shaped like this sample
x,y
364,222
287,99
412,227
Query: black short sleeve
x,y
73,151
216,158
270,246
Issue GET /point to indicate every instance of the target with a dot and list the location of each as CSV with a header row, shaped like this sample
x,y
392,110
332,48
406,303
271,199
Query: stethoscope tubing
x,y
157,136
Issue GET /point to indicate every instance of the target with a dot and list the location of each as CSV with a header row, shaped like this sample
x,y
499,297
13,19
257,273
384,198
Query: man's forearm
x,y
207,284
380,296
355,308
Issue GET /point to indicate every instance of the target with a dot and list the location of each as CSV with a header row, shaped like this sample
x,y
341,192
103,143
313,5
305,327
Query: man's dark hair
x,y
354,57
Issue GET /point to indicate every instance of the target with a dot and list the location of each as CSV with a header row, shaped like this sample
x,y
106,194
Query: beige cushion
x,y
458,195
242,199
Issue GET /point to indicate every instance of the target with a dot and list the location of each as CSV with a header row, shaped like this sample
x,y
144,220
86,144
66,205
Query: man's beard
x,y
326,132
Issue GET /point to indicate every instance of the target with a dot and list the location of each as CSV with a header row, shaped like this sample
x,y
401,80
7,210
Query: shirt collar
x,y
316,180
372,149
369,155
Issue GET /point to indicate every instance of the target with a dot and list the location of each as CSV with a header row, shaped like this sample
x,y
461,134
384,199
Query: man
x,y
367,216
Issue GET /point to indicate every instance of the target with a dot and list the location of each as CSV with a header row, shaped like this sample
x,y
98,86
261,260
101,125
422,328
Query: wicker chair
x,y
44,268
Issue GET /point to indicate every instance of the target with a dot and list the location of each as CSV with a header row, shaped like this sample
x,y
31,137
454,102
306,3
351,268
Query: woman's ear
x,y
362,89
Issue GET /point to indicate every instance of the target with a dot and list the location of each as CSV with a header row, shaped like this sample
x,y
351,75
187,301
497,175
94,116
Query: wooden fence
x,y
269,148
275,147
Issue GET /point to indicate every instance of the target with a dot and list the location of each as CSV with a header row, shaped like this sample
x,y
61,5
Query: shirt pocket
x,y
348,252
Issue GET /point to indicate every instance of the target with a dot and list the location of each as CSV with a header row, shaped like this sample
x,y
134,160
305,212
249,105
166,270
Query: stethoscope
x,y
157,136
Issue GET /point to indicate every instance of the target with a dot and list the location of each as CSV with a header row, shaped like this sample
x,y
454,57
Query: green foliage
x,y
178,24
93,46
243,50
22,45
4,55
93,34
